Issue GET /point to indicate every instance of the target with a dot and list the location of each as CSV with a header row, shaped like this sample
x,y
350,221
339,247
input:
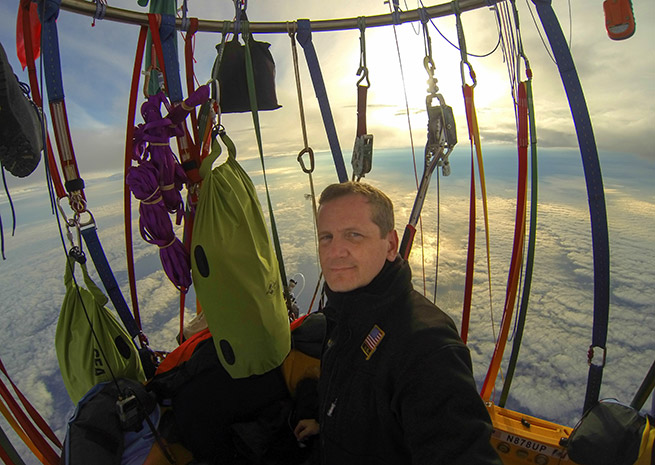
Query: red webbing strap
x,y
5,456
129,150
474,137
470,257
470,254
362,92
29,9
154,20
64,141
189,42
517,250
36,417
19,431
37,439
185,143
34,414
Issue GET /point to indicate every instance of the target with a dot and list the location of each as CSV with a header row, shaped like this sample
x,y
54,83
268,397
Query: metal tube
x,y
120,15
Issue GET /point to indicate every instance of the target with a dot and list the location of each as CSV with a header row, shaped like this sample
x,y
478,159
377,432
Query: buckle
x,y
590,356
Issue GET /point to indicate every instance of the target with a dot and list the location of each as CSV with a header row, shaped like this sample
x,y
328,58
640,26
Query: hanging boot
x,y
21,139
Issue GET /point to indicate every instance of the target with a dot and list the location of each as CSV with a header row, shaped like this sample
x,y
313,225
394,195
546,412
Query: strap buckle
x,y
362,158
78,205
590,356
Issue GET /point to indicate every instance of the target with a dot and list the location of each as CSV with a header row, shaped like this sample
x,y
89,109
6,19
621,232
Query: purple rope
x,y
157,181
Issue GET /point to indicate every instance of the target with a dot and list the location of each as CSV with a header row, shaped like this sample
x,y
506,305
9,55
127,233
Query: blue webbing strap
x,y
168,37
48,13
304,36
595,193
54,83
108,280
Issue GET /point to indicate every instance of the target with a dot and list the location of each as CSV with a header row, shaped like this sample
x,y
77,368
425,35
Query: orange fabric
x,y
181,455
298,366
297,322
183,352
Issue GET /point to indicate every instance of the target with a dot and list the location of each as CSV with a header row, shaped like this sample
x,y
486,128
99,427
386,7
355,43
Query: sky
x,y
618,79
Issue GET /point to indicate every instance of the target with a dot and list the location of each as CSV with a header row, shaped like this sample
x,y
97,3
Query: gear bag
x,y
236,274
230,70
86,355
611,433
108,426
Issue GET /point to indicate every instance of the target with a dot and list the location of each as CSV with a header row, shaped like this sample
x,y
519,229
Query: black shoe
x,y
21,139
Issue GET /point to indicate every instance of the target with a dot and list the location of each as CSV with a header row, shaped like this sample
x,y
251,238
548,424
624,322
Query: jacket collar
x,y
392,280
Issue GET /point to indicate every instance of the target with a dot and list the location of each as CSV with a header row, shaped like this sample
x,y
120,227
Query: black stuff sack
x,y
230,70
610,433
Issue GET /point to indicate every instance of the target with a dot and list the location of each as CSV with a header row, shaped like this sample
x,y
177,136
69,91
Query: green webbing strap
x,y
647,386
7,451
529,265
250,76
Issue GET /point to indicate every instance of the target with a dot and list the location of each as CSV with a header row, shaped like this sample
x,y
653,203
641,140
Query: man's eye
x,y
324,238
354,235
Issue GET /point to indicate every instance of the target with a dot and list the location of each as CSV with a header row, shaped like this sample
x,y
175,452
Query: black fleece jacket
x,y
396,382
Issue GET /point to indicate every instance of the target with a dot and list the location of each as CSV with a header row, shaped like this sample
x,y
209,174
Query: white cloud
x,y
551,376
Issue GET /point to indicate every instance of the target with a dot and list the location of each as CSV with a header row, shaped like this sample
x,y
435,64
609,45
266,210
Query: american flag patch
x,y
372,340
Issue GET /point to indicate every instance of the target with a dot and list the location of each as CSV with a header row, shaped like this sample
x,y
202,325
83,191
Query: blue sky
x,y
619,83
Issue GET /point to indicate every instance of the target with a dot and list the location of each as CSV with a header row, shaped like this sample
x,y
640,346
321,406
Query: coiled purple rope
x,y
157,181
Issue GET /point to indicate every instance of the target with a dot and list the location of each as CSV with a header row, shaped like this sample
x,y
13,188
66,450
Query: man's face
x,y
350,248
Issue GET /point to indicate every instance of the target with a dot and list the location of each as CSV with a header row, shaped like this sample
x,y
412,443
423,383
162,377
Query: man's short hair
x,y
381,205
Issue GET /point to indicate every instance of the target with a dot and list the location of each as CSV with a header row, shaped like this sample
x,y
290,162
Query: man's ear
x,y
392,249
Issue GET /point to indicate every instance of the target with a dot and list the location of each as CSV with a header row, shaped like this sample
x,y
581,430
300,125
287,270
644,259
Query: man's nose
x,y
338,248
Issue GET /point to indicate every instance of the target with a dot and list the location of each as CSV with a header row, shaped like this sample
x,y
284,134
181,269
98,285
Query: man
x,y
396,382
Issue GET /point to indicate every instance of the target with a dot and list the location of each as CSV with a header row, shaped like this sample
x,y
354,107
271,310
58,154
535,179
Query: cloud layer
x,y
551,374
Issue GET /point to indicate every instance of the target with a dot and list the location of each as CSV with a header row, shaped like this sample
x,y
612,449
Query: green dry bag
x,y
236,274
85,360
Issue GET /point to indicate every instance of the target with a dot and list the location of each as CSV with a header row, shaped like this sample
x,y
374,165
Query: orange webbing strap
x,y
129,150
29,8
517,251
474,137
24,427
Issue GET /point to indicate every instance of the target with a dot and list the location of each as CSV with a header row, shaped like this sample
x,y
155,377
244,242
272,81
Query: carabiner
x,y
309,151
363,69
471,73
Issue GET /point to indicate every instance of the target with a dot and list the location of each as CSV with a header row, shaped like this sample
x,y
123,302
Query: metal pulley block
x,y
442,134
362,158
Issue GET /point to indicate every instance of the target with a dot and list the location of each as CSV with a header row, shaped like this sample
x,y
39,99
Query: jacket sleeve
x,y
436,400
